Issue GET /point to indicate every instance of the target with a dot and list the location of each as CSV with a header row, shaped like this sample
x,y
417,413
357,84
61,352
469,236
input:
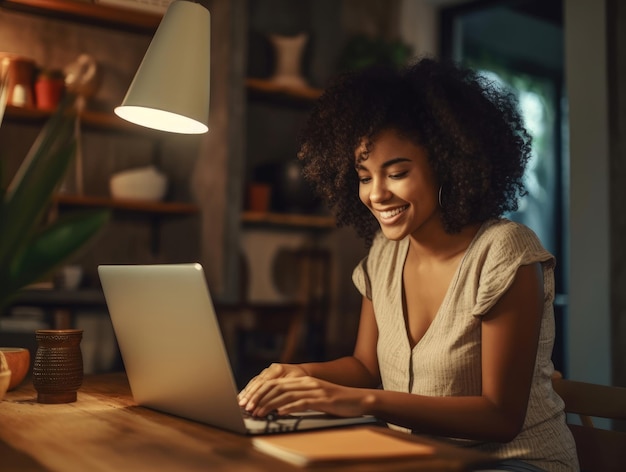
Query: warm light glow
x,y
161,120
170,91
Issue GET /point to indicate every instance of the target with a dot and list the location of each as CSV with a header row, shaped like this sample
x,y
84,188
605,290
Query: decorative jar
x,y
58,367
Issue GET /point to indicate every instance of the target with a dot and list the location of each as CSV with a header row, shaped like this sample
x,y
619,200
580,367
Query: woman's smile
x,y
397,184
389,216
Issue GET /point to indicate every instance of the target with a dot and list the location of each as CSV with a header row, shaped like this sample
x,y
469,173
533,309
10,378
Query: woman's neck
x,y
437,244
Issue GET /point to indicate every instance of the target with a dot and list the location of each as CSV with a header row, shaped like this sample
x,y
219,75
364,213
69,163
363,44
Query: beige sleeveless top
x,y
446,361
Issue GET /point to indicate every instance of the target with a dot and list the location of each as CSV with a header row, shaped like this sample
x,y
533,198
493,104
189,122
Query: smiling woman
x,y
457,320
474,138
396,183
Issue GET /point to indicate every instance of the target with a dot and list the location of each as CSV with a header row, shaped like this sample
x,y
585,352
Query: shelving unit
x,y
94,13
279,246
171,208
291,220
154,210
128,18
108,122
59,305
104,121
85,12
265,87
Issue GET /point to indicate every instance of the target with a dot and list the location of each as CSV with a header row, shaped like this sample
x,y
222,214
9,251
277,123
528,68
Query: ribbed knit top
x,y
447,360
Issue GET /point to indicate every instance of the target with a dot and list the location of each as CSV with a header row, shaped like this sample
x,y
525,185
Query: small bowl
x,y
5,378
18,361
142,183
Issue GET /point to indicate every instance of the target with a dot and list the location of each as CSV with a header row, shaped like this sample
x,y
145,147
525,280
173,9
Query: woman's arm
x,y
358,370
510,333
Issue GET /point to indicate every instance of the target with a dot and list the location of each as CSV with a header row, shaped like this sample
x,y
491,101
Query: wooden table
x,y
106,431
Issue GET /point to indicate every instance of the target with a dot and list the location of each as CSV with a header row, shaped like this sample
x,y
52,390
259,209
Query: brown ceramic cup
x,y
58,366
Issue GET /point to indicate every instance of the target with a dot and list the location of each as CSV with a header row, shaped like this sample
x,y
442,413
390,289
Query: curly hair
x,y
471,130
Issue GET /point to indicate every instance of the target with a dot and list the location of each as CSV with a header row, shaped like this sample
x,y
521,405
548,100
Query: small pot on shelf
x,y
49,89
20,74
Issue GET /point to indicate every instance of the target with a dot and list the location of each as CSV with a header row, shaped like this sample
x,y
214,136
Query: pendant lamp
x,y
170,91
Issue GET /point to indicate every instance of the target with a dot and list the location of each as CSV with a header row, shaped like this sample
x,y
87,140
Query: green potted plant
x,y
30,247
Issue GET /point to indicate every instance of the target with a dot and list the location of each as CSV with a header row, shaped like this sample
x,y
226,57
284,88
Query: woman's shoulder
x,y
511,238
502,229
379,265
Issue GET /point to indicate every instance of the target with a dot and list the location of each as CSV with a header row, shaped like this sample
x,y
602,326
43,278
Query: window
x,y
519,45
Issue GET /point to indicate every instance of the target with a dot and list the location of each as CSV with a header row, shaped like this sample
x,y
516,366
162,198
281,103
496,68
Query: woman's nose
x,y
379,191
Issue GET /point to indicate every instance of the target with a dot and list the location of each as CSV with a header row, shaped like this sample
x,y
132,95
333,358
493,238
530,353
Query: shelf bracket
x,y
155,235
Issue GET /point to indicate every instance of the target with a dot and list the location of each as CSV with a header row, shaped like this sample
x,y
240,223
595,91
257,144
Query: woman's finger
x,y
275,394
254,383
274,371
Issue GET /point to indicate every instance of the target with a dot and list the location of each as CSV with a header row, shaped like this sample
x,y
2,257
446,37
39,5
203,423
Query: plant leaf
x,y
51,247
32,187
21,214
54,133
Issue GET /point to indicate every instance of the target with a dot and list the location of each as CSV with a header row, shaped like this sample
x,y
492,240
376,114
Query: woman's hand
x,y
274,371
287,394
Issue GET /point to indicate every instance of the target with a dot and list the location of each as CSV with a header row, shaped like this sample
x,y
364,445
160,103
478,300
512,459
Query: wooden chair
x,y
599,450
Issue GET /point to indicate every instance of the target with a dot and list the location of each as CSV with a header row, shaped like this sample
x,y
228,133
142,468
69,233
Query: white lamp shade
x,y
170,91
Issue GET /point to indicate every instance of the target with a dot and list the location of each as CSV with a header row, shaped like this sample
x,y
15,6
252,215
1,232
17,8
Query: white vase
x,y
288,53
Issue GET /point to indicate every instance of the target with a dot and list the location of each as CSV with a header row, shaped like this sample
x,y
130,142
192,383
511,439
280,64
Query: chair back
x,y
599,450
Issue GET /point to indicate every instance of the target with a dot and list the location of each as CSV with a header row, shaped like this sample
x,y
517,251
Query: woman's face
x,y
398,185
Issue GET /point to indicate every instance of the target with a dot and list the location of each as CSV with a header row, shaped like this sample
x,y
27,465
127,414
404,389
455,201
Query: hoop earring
x,y
439,197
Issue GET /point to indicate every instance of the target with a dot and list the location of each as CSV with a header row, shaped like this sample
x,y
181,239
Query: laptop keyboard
x,y
273,422
269,417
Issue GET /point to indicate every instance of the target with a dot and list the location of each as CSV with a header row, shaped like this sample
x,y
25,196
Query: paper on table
x,y
338,445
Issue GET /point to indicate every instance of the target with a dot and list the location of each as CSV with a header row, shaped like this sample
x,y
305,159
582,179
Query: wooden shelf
x,y
60,297
156,210
275,219
290,220
109,121
97,120
172,208
26,114
87,12
269,88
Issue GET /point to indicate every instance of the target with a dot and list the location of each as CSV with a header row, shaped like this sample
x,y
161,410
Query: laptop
x,y
174,355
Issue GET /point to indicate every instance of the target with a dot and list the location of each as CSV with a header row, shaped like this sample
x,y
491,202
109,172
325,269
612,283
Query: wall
x,y
589,324
419,27
616,14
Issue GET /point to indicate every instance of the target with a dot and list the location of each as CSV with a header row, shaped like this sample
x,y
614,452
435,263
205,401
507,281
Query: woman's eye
x,y
398,175
364,180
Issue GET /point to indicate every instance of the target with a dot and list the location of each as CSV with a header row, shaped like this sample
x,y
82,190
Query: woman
x,y
457,322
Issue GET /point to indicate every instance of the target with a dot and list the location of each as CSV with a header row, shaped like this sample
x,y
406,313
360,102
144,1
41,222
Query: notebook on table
x,y
173,352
